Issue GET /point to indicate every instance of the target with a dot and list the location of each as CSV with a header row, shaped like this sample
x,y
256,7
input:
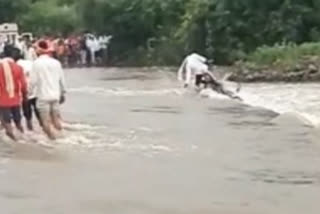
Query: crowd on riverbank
x,y
72,51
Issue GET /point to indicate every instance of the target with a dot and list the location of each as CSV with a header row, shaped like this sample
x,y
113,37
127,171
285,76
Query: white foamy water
x,y
85,137
127,92
300,99
143,144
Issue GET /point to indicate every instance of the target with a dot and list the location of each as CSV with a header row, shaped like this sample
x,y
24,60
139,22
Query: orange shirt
x,y
19,83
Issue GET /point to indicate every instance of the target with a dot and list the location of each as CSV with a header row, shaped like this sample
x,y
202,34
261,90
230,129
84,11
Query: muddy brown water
x,y
136,143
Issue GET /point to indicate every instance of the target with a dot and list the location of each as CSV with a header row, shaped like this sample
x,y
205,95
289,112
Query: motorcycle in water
x,y
209,81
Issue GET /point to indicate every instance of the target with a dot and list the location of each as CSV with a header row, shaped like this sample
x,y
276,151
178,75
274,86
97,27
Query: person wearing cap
x,y
12,86
48,77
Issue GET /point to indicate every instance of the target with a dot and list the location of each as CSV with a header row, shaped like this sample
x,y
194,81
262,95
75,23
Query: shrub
x,y
284,53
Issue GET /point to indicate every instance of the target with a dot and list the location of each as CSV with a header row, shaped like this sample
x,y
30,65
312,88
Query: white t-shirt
x,y
1,47
104,41
48,76
93,44
27,69
30,54
193,64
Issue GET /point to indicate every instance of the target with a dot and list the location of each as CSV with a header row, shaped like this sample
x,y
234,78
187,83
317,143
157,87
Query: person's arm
x,y
34,54
34,76
181,71
188,75
23,84
62,81
62,84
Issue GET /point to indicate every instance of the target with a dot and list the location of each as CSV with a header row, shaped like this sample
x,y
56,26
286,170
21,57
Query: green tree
x,y
50,17
10,10
164,31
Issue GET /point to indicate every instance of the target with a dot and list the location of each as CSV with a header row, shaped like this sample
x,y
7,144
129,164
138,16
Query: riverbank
x,y
305,70
280,63
250,73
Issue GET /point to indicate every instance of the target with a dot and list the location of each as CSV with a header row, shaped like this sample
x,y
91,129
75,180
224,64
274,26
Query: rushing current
x,y
135,142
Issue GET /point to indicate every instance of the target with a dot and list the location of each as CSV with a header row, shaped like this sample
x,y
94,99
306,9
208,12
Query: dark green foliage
x,y
164,31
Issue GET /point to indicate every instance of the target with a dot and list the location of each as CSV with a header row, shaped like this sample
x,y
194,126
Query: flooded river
x,y
136,143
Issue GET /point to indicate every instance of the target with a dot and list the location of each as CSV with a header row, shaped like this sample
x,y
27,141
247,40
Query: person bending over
x,y
192,69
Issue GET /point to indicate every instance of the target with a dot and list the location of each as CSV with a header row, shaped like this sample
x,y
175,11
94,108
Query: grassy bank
x,y
284,54
281,62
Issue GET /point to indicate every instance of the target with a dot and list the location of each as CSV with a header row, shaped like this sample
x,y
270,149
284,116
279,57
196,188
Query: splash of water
x,y
298,99
84,137
127,92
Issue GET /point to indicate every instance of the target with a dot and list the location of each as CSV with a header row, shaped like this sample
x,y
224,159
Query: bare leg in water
x,y
44,108
37,113
46,125
9,130
56,120
16,114
19,126
30,109
27,112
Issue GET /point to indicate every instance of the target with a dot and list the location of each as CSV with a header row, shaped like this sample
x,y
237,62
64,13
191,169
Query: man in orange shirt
x,y
13,88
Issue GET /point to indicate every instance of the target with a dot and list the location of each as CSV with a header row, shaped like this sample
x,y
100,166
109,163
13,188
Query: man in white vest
x,y
48,77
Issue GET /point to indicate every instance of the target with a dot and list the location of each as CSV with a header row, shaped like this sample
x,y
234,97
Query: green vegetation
x,y
164,31
285,57
284,53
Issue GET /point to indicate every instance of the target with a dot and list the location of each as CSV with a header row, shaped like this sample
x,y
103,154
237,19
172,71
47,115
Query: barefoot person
x,y
12,86
48,77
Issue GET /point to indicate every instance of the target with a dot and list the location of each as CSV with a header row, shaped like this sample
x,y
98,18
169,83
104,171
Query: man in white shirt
x,y
93,45
2,44
29,105
48,77
192,70
30,53
103,43
195,70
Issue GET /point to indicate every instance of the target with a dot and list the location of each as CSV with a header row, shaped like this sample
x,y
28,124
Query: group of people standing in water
x,y
33,82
